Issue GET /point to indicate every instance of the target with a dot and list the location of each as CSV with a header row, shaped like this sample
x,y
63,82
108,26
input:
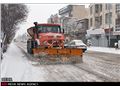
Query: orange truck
x,y
49,38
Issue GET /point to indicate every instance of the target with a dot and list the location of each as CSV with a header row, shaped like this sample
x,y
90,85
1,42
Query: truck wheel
x,y
29,47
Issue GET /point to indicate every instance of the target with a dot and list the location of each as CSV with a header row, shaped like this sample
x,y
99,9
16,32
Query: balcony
x,y
117,28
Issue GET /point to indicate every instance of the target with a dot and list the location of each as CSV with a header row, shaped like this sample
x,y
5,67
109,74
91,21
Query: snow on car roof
x,y
78,42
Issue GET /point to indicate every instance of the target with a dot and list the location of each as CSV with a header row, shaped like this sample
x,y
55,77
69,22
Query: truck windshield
x,y
46,29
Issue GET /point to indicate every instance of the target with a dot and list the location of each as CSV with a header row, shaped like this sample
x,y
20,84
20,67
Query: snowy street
x,y
96,67
105,50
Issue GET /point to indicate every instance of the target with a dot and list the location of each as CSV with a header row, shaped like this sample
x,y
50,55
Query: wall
x,y
79,11
101,41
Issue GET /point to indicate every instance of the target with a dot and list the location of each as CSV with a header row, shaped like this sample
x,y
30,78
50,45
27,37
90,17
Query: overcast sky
x,y
39,13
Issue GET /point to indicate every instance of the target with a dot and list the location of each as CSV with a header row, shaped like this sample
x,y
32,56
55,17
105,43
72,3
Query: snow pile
x,y
104,49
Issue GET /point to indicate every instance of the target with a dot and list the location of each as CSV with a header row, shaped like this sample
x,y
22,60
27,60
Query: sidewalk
x,y
104,49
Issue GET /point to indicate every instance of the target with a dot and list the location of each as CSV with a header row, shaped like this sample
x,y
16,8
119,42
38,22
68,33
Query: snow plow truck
x,y
49,39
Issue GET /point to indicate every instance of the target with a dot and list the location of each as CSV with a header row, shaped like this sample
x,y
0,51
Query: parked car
x,y
76,44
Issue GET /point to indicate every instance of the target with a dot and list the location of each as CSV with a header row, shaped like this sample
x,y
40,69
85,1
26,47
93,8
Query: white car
x,y
76,44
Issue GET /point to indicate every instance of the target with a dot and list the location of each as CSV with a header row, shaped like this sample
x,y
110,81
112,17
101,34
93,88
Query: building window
x,y
117,22
108,6
118,11
117,29
96,8
98,21
117,8
91,21
108,18
100,7
117,26
91,10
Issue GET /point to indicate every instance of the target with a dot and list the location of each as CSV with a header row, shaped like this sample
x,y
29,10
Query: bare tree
x,y
11,16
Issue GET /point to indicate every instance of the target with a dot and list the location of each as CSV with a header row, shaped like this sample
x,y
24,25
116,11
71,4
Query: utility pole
x,y
109,25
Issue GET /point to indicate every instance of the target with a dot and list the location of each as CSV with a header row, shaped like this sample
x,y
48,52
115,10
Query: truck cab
x,y
45,36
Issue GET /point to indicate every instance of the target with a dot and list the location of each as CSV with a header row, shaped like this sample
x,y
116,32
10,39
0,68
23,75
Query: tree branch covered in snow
x,y
11,16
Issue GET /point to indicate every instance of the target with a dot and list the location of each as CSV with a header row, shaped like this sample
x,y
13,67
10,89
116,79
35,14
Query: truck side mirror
x,y
36,27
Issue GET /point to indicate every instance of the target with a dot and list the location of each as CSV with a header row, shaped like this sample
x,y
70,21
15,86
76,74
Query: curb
x,y
102,52
28,55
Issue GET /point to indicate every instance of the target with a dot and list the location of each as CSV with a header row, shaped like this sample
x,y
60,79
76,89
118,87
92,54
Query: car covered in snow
x,y
76,44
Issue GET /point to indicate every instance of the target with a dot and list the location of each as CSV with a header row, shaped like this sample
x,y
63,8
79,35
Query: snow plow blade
x,y
64,55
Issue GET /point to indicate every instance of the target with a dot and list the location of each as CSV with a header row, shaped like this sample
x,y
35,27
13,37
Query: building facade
x,y
72,17
105,18
54,19
73,12
77,11
80,29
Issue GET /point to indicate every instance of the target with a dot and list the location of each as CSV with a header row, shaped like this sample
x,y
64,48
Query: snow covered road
x,y
16,65
94,68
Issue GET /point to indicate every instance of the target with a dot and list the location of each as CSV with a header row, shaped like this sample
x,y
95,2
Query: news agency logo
x,y
6,79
